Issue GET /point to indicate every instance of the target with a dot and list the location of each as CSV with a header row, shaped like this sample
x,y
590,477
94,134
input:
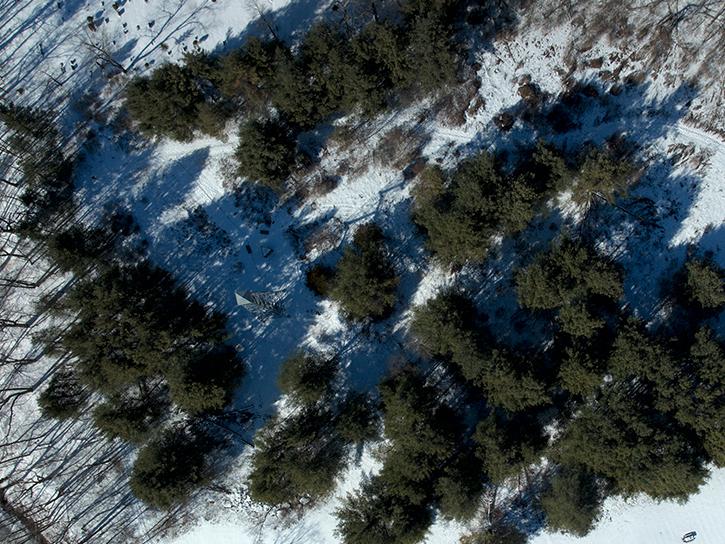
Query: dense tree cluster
x,y
448,326
365,283
47,174
140,342
300,456
573,280
338,67
462,211
424,435
355,65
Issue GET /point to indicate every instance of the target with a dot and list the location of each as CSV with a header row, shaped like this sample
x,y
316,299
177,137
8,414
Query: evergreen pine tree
x,y
507,443
572,502
166,102
704,285
307,378
170,468
297,457
128,418
266,152
365,282
64,397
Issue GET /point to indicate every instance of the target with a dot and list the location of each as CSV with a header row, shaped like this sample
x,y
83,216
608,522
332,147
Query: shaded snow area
x,y
217,239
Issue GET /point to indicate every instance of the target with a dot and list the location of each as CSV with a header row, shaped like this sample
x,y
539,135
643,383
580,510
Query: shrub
x,y
307,378
365,281
64,397
170,468
500,532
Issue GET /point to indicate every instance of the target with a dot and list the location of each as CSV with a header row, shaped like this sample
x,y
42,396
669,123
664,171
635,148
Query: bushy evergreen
x,y
423,435
266,152
500,532
169,468
572,279
307,378
128,418
297,457
365,282
337,79
704,284
697,394
448,326
460,488
320,278
64,397
357,419
507,443
602,175
430,58
638,354
248,73
205,382
372,515
166,102
396,505
572,502
582,367
76,249
460,212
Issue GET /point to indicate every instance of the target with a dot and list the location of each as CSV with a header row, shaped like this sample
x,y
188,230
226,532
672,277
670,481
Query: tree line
x,y
148,362
358,64
636,407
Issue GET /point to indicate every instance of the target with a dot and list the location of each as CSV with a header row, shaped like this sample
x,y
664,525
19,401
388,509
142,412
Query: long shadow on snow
x,y
588,120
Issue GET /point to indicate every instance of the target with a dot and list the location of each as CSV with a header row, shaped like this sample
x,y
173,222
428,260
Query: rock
x,y
594,63
529,93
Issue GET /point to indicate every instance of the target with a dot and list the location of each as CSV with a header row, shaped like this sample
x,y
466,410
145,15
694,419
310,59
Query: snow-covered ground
x,y
167,185
640,521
